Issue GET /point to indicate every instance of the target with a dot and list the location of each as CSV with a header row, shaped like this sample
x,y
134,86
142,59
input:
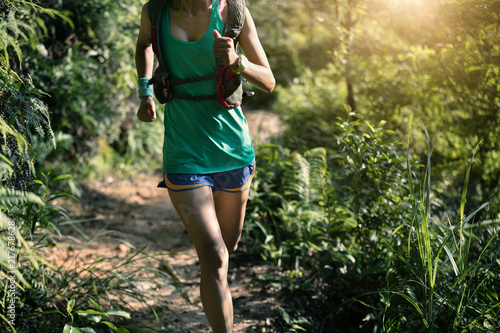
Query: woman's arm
x,y
144,56
258,71
144,60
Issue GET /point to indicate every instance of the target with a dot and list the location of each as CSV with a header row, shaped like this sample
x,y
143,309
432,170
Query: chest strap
x,y
167,85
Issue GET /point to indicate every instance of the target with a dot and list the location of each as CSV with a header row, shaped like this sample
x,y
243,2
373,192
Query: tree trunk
x,y
350,93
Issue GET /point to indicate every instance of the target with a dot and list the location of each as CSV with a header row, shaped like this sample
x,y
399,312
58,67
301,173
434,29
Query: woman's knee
x,y
232,245
214,259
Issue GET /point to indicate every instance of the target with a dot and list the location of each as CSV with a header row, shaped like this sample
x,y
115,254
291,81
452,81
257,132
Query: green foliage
x,y
324,214
325,195
89,316
20,26
23,115
353,225
295,324
50,297
310,108
81,57
26,217
438,278
85,60
371,188
287,38
446,74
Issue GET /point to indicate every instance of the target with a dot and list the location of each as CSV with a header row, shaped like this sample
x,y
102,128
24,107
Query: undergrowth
x,y
360,236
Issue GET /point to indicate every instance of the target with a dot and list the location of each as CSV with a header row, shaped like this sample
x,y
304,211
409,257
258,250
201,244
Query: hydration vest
x,y
229,85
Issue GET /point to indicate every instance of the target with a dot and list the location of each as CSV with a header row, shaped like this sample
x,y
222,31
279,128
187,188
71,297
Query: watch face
x,y
244,62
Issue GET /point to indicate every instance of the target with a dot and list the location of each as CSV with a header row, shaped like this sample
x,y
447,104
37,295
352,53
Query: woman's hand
x,y
146,112
224,49
258,71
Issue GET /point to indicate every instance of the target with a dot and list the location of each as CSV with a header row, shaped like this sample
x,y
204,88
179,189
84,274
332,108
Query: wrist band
x,y
144,88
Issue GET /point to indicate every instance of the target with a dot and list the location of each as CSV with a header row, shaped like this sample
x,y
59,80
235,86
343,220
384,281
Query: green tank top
x,y
200,137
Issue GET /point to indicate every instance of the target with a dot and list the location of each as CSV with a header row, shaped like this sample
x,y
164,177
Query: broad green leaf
x,y
71,304
87,330
114,328
118,312
68,328
94,303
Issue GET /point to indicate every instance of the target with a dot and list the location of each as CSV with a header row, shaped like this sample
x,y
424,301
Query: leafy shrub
x,y
84,60
44,297
441,273
366,244
23,115
355,191
51,298
323,214
310,107
371,186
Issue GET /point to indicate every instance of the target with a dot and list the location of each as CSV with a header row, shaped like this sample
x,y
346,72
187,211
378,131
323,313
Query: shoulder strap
x,y
235,21
234,24
155,9
235,18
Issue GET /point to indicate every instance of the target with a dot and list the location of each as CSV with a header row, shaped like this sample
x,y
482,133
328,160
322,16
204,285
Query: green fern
x,y
21,25
7,130
23,117
306,175
10,198
13,32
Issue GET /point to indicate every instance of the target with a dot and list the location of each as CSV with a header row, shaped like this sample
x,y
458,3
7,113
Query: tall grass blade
x,y
451,259
8,323
416,306
464,260
425,210
410,180
466,183
475,263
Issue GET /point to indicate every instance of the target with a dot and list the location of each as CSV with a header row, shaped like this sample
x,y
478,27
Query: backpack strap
x,y
235,18
234,24
155,9
160,83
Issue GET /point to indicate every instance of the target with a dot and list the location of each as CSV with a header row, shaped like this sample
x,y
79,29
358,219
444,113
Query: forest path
x,y
137,212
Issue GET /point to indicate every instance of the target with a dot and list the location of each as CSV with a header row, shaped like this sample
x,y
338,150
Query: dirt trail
x,y
142,214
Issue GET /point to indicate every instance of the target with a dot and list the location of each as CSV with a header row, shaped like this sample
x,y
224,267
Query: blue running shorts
x,y
234,181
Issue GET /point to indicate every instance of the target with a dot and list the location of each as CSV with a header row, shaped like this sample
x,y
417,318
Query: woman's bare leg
x,y
197,211
230,209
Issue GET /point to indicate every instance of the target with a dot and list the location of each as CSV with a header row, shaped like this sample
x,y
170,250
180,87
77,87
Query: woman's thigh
x,y
197,211
230,210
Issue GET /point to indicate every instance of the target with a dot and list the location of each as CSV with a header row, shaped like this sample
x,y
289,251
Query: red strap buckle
x,y
154,41
167,94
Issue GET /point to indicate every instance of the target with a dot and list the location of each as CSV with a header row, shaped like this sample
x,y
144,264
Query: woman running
x,y
208,158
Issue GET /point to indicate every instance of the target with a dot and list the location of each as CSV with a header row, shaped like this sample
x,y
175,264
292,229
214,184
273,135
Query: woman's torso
x,y
200,137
